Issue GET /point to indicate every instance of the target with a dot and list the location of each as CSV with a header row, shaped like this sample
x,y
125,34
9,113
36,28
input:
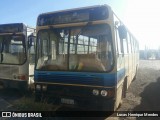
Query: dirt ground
x,y
144,92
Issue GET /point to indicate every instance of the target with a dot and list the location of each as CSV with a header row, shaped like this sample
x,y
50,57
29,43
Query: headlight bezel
x,y
104,93
95,92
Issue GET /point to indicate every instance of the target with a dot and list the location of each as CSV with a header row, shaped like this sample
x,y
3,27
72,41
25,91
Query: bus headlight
x,y
95,92
104,93
38,87
44,87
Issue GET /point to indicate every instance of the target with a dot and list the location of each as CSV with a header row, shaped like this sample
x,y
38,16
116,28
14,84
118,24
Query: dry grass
x,y
28,104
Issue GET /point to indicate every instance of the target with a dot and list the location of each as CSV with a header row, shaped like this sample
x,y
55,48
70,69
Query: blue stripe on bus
x,y
86,78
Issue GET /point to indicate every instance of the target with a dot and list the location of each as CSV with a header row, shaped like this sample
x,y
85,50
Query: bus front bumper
x,y
6,83
74,97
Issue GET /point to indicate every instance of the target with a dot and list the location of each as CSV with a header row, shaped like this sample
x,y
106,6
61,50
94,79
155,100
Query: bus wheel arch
x,y
121,93
119,96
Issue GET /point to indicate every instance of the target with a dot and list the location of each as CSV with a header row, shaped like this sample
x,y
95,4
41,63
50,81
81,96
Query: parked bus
x,y
85,57
17,55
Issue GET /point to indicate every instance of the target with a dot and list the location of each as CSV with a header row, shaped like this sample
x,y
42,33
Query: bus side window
x,y
125,46
133,42
129,43
123,38
119,46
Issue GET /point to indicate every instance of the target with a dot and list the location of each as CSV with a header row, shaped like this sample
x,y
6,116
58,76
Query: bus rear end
x,y
13,58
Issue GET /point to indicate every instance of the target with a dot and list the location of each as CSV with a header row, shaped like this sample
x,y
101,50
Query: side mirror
x,y
122,32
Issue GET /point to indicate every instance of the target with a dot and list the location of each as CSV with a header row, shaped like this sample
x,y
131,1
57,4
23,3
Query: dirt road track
x,y
144,92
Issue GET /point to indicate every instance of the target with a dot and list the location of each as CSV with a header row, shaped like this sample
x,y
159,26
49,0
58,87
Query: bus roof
x,y
16,24
79,8
12,27
83,14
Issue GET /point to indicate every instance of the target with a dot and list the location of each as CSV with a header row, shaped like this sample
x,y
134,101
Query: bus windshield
x,y
87,48
12,48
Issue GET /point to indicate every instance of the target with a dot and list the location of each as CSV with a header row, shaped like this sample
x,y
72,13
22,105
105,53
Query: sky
x,y
142,17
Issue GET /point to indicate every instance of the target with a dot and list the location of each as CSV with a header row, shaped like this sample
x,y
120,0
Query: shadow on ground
x,y
150,99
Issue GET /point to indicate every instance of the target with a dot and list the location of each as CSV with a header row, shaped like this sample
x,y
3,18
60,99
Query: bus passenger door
x,y
124,50
121,57
123,47
130,59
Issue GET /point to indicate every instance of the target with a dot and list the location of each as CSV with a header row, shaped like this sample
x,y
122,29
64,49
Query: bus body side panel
x,y
14,76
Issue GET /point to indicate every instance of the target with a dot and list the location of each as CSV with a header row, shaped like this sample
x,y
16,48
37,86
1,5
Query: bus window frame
x,y
68,50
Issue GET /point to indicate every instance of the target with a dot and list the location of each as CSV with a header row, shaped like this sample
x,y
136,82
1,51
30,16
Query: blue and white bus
x,y
85,57
16,56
